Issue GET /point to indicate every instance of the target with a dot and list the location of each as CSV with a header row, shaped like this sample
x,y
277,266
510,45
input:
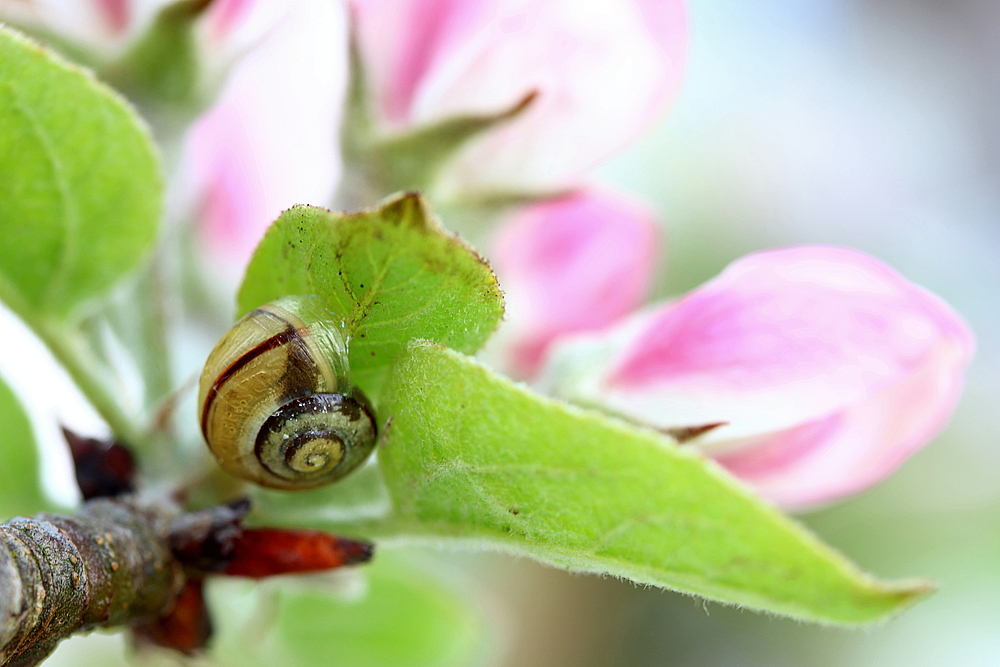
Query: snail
x,y
275,403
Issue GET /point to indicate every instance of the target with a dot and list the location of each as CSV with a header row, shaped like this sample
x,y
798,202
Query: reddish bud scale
x,y
266,552
186,628
103,468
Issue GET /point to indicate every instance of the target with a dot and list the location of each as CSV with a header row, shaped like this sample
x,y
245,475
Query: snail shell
x,y
275,403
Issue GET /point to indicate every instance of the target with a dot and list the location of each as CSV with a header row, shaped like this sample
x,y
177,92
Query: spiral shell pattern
x,y
276,406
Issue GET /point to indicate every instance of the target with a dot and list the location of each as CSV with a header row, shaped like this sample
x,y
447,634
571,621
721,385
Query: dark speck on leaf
x,y
514,511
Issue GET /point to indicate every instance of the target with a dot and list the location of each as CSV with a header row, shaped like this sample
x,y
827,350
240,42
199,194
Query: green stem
x,y
156,357
70,351
72,355
137,315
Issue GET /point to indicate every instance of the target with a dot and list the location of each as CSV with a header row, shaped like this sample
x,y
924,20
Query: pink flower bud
x,y
574,263
228,29
227,15
826,366
100,25
270,140
603,71
108,26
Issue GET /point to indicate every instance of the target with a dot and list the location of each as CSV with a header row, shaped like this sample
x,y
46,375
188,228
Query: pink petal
x,y
853,449
604,72
230,28
828,367
100,25
116,13
270,140
573,263
226,15
402,41
782,337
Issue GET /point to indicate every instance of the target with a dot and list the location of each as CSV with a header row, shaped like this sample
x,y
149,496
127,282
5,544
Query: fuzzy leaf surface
x,y
81,193
466,454
391,274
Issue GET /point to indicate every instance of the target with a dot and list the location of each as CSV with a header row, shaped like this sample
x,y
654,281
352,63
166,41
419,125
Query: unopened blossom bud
x,y
107,29
270,140
826,368
574,263
603,71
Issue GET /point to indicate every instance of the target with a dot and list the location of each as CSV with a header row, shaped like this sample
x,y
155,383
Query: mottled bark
x,y
110,564
121,563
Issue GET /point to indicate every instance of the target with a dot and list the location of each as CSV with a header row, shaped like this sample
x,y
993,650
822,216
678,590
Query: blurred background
x,y
868,123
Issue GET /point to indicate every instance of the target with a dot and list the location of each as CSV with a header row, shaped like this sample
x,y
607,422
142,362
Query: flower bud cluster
x,y
818,369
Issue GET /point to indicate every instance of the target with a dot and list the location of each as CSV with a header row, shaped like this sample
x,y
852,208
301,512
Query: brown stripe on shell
x,y
275,341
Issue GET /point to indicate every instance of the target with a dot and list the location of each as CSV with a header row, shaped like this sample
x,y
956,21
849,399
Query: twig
x,y
110,564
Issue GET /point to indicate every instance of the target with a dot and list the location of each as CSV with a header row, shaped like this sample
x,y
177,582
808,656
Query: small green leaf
x,y
20,484
466,454
81,187
392,273
388,614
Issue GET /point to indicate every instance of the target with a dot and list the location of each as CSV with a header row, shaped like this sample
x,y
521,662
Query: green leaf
x,y
387,614
82,191
20,484
392,273
466,454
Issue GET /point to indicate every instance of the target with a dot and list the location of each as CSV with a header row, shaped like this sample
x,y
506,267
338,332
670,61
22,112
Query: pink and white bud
x,y
103,26
574,263
270,140
603,70
107,27
826,367
229,29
